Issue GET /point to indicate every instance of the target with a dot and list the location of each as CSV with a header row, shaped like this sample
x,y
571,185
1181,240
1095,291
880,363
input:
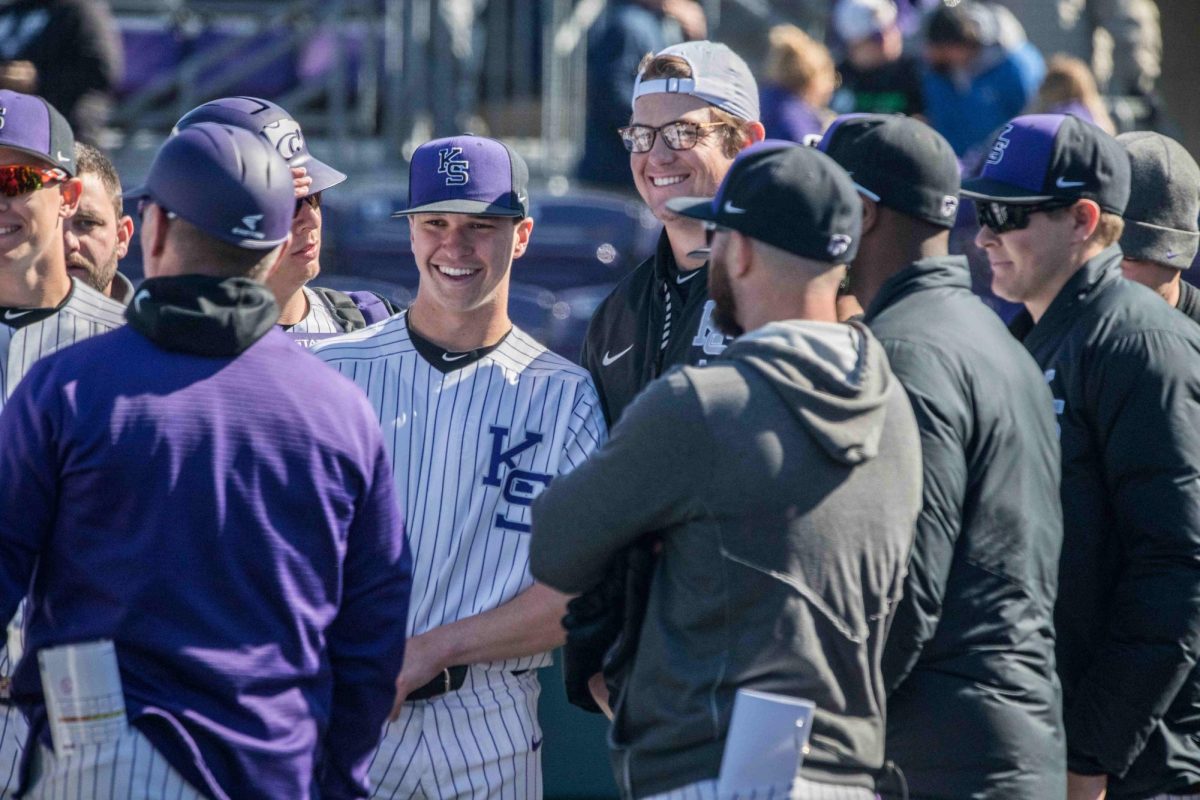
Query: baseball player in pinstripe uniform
x,y
478,418
42,309
306,313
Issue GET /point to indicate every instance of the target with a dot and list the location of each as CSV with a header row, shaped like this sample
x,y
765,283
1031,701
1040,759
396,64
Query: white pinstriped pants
x,y
799,790
127,769
481,742
1176,797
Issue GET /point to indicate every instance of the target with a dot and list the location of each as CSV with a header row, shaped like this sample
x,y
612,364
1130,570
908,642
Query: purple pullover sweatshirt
x,y
230,524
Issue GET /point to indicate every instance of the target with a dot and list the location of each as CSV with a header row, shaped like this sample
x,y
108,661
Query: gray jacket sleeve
x,y
942,420
642,480
1145,400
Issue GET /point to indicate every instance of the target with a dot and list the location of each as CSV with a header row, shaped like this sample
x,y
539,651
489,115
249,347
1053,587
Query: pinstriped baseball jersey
x,y
470,450
320,318
85,313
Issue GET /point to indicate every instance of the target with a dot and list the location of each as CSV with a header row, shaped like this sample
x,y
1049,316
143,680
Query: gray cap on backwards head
x,y
1164,201
228,182
719,77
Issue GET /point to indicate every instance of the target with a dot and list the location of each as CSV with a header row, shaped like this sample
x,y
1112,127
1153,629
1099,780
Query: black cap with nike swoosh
x,y
1040,158
788,196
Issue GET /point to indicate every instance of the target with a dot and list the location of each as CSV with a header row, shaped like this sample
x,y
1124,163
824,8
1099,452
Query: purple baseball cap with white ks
x,y
31,125
1040,158
467,175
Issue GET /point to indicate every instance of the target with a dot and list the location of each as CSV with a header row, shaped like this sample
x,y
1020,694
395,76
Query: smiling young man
x,y
1124,370
478,419
42,308
97,236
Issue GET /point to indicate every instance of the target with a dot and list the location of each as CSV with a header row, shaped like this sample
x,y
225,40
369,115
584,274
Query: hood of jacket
x,y
203,315
833,378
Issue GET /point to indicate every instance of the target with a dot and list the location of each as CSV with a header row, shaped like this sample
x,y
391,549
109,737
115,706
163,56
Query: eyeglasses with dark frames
x,y
678,135
19,179
1005,217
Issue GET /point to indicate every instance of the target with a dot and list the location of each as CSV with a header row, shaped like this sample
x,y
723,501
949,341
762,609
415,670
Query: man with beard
x,y
783,480
98,235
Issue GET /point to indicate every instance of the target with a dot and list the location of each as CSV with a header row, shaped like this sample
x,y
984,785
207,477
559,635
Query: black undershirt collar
x,y
20,317
447,361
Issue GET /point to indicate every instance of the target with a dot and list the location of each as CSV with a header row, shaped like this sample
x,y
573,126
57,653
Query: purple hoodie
x,y
230,524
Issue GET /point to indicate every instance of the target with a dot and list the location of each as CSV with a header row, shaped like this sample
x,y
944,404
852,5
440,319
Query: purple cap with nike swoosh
x,y
1040,158
31,125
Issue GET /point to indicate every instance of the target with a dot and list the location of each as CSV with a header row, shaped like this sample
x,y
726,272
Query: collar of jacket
x,y
203,315
1097,272
928,273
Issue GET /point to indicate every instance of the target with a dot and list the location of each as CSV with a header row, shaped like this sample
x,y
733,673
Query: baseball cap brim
x,y
323,176
694,207
459,206
66,166
999,191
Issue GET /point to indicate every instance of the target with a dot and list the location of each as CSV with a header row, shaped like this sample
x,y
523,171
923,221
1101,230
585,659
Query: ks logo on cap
x,y
453,167
1000,147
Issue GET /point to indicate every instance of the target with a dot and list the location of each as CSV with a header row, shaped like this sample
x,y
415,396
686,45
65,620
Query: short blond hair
x,y
1070,80
735,134
795,60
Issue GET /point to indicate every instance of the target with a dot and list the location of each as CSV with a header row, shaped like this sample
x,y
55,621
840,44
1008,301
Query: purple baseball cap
x,y
467,175
1039,158
227,181
275,125
31,125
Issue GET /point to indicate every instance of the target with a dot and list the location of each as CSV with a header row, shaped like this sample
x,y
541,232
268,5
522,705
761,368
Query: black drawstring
x,y
891,769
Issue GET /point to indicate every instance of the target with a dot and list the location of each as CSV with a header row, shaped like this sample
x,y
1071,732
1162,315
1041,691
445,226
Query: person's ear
x,y
870,216
524,229
124,235
1086,217
71,191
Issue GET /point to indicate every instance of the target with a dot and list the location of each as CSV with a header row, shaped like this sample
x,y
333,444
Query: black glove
x,y
603,624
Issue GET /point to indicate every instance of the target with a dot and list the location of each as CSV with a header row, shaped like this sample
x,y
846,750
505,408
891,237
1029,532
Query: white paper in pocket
x,y
768,736
84,700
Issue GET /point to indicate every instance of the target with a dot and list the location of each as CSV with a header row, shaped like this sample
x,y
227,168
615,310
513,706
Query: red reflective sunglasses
x,y
19,179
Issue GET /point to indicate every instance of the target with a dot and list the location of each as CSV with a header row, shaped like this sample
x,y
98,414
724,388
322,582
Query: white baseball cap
x,y
855,20
719,77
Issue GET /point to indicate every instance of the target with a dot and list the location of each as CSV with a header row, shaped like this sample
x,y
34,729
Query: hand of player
x,y
301,181
422,663
1086,787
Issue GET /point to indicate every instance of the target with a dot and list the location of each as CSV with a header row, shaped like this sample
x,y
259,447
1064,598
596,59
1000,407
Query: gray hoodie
x,y
784,480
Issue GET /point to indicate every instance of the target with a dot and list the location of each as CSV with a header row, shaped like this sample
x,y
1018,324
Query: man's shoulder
x,y
88,304
382,339
531,357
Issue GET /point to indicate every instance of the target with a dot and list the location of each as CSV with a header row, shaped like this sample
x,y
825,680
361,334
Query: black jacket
x,y
624,346
1124,369
974,707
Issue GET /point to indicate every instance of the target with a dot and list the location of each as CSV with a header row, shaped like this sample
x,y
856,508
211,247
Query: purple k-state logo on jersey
x,y
520,486
454,166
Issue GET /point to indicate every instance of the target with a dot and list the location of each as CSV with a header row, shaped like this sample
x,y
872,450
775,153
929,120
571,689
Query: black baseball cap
x,y
467,175
788,196
1038,158
898,162
31,125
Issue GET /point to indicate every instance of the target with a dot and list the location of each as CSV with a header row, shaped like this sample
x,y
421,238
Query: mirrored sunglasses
x,y
19,179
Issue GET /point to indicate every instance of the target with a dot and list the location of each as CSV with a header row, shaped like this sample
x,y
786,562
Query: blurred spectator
x,y
1070,88
800,80
625,32
981,71
878,77
1070,27
67,51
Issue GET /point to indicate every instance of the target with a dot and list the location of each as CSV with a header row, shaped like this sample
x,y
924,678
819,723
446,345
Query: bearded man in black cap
x,y
784,481
974,706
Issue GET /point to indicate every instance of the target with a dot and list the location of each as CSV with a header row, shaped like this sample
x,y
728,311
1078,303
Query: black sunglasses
x,y
679,135
313,200
1005,217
